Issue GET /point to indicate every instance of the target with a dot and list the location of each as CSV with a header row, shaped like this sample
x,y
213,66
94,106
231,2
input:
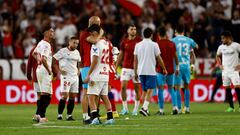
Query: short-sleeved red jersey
x,y
168,50
127,46
85,48
31,67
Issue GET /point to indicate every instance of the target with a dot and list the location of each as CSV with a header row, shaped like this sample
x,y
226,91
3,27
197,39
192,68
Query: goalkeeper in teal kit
x,y
184,45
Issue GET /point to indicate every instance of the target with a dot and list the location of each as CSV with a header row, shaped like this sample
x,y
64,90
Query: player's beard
x,y
72,48
133,35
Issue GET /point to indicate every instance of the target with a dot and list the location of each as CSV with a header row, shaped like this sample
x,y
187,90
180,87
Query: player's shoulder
x,y
235,44
124,40
174,39
221,46
63,49
138,39
44,44
76,52
190,39
84,32
101,42
170,43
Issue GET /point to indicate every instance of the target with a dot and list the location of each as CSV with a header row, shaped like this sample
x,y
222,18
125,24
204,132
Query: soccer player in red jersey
x,y
126,56
169,56
85,48
113,51
31,76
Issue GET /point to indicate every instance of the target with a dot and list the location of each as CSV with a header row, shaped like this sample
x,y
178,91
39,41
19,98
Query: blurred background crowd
x,y
22,21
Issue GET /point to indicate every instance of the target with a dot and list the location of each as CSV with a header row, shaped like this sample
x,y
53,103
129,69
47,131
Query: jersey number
x,y
183,51
105,56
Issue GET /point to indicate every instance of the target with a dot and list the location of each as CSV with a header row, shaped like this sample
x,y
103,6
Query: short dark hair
x,y
46,28
162,31
147,32
180,28
73,38
226,34
131,25
94,27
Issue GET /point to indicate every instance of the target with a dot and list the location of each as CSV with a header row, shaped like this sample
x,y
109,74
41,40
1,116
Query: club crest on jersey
x,y
95,50
104,71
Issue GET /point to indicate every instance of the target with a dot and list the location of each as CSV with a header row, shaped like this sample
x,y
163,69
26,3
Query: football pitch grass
x,y
206,119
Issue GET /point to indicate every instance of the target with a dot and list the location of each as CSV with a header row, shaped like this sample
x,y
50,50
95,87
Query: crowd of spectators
x,y
22,21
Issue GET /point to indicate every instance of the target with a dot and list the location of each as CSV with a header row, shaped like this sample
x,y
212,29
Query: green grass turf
x,y
206,119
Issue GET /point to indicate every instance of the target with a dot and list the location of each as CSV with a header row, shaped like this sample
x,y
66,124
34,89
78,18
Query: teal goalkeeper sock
x,y
173,96
179,99
160,99
187,97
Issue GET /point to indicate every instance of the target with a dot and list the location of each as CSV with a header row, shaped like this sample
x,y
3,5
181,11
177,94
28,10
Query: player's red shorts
x,y
111,78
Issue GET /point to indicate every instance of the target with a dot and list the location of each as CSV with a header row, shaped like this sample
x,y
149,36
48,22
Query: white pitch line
x,y
103,127
116,127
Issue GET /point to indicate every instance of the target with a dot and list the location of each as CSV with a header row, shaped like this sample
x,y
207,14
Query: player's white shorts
x,y
69,84
44,80
230,77
36,87
98,88
128,74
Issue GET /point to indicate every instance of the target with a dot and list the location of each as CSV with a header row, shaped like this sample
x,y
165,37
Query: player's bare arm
x,y
192,57
161,63
192,60
135,66
119,59
78,67
219,61
44,62
92,67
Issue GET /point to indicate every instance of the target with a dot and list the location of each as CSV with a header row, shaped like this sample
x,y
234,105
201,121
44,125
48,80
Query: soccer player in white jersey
x,y
146,56
228,59
98,77
43,54
69,61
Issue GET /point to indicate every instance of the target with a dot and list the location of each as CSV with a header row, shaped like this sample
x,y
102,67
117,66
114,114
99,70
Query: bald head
x,y
94,20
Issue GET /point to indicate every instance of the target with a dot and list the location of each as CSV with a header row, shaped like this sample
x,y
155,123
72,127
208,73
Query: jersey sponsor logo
x,y
227,51
95,50
103,73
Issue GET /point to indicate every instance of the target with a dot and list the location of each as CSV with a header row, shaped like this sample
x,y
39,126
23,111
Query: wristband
x,y
177,67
